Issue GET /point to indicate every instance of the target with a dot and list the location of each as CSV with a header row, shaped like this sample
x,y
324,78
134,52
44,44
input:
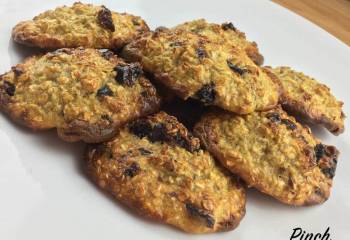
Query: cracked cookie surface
x,y
306,97
273,153
194,66
156,167
85,93
81,25
225,33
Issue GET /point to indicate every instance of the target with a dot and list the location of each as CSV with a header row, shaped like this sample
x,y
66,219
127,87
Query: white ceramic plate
x,y
44,193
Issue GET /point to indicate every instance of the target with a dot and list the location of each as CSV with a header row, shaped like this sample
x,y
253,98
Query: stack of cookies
x,y
178,121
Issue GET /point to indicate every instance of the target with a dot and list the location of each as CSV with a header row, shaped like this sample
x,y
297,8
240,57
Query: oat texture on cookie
x,y
193,65
273,153
304,96
80,25
85,93
156,167
225,33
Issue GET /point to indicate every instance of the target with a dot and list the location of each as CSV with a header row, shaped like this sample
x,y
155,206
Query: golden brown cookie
x,y
273,153
81,25
195,66
156,167
85,93
225,33
306,97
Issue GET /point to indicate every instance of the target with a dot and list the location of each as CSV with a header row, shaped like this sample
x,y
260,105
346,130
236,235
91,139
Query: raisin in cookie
x,y
306,97
156,167
194,66
225,33
85,93
82,25
273,153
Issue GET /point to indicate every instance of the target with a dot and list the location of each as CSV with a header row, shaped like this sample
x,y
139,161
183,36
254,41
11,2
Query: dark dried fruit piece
x,y
140,128
200,213
132,170
144,151
290,125
206,94
326,157
329,172
319,151
319,192
104,91
201,53
228,26
10,88
17,71
274,117
235,68
158,133
104,18
186,142
128,74
107,118
107,54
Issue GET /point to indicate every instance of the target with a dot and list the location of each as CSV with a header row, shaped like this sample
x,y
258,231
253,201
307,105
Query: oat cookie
x,y
194,66
225,33
85,93
81,25
306,97
273,153
156,167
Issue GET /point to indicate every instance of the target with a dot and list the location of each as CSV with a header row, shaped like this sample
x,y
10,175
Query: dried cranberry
x,y
104,91
235,68
128,74
132,170
206,94
201,213
228,26
104,17
10,88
